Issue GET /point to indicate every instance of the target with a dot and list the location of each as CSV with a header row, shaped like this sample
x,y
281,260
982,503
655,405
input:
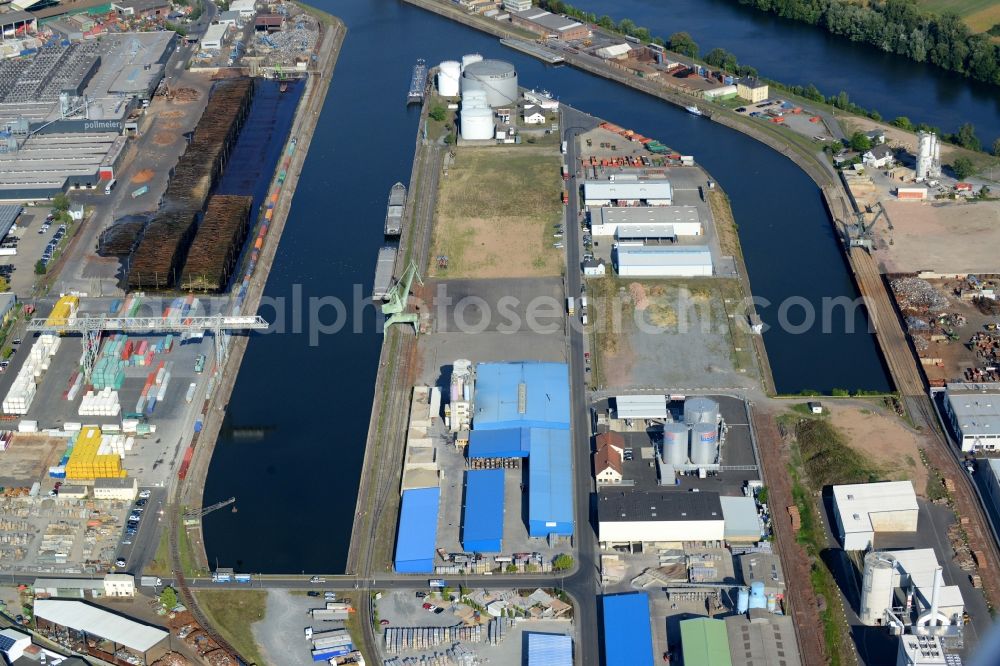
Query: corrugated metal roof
x,y
522,394
8,215
503,443
628,638
649,214
659,255
550,483
417,534
550,650
977,412
641,407
643,189
705,642
482,521
96,621
741,517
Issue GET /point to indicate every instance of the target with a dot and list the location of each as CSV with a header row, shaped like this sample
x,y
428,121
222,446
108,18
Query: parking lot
x,y
34,238
791,116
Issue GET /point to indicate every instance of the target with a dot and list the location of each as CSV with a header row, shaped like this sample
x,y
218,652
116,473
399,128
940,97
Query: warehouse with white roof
x,y
627,193
863,509
663,260
680,220
642,407
111,632
973,414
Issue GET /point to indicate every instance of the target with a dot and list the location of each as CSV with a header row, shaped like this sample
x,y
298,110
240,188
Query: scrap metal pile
x,y
202,163
918,296
297,39
217,243
157,261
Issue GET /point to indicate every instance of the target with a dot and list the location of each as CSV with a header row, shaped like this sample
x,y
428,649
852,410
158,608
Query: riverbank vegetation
x,y
232,613
900,27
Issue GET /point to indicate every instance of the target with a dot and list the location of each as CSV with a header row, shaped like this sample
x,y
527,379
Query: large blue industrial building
x,y
500,443
522,394
417,533
482,521
550,484
628,636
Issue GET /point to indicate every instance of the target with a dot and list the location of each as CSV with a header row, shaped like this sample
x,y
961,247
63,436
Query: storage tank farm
x,y
496,77
449,74
701,415
470,58
476,117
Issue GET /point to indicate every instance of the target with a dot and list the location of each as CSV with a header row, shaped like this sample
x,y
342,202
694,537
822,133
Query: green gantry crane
x,y
395,307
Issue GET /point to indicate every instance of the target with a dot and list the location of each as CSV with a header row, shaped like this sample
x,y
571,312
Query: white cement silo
x,y
449,73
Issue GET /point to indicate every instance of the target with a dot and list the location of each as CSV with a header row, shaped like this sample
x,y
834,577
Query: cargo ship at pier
x,y
383,273
394,210
417,83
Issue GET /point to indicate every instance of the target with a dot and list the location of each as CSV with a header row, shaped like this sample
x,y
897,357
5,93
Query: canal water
x,y
799,54
293,443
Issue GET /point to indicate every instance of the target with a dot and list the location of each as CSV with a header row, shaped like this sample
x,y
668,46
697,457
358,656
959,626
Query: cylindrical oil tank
x,y
742,600
470,58
757,597
497,78
701,410
704,443
675,440
876,587
474,98
449,73
477,124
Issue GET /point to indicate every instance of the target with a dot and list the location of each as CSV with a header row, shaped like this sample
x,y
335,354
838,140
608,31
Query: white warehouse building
x,y
973,414
635,260
679,220
863,509
627,193
672,516
214,38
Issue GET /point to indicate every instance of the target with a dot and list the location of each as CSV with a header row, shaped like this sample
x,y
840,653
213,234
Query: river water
x,y
799,54
293,444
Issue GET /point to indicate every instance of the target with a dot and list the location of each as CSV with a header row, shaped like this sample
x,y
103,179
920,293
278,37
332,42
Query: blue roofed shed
x,y
550,650
524,394
504,443
417,533
550,483
628,637
482,523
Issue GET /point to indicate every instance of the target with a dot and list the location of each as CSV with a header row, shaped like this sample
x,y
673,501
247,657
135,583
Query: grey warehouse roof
x,y
649,214
658,505
645,231
8,215
976,408
546,19
658,255
80,616
641,406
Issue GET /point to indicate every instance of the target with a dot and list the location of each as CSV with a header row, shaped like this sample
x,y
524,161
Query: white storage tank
x,y
470,58
496,77
477,124
675,443
474,98
701,410
449,73
876,587
704,443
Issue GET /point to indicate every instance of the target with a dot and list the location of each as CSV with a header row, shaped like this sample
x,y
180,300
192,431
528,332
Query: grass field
x,y
232,612
979,15
495,213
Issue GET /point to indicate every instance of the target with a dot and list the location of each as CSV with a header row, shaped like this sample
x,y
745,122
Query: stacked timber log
x,y
156,263
120,239
202,163
217,244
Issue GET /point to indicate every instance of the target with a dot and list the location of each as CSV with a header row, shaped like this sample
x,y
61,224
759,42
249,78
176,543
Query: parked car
x,y
429,607
313,593
121,563
421,595
144,494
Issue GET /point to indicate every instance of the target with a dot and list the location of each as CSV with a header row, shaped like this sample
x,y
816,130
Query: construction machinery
x,y
396,299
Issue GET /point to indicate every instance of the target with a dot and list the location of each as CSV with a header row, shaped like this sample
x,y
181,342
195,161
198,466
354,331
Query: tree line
x,y
900,27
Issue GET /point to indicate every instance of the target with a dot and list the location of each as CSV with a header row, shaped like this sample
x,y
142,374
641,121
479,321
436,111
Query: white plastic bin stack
x,y
74,390
22,390
162,380
102,403
115,445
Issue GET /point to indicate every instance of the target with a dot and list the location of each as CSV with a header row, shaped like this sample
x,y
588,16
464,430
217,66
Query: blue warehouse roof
x,y
417,534
522,394
482,521
628,638
503,443
550,483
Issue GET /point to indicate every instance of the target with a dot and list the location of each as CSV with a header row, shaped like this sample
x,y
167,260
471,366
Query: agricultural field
x,y
979,15
496,214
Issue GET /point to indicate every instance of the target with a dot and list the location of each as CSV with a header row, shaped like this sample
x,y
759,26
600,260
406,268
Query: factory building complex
x,y
514,411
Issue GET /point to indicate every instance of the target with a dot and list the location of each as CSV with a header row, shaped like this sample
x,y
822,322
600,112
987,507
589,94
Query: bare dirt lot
x,y
496,214
28,457
943,237
883,437
898,138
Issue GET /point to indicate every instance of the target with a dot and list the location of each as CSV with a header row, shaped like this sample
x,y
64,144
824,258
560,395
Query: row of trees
x,y
900,27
